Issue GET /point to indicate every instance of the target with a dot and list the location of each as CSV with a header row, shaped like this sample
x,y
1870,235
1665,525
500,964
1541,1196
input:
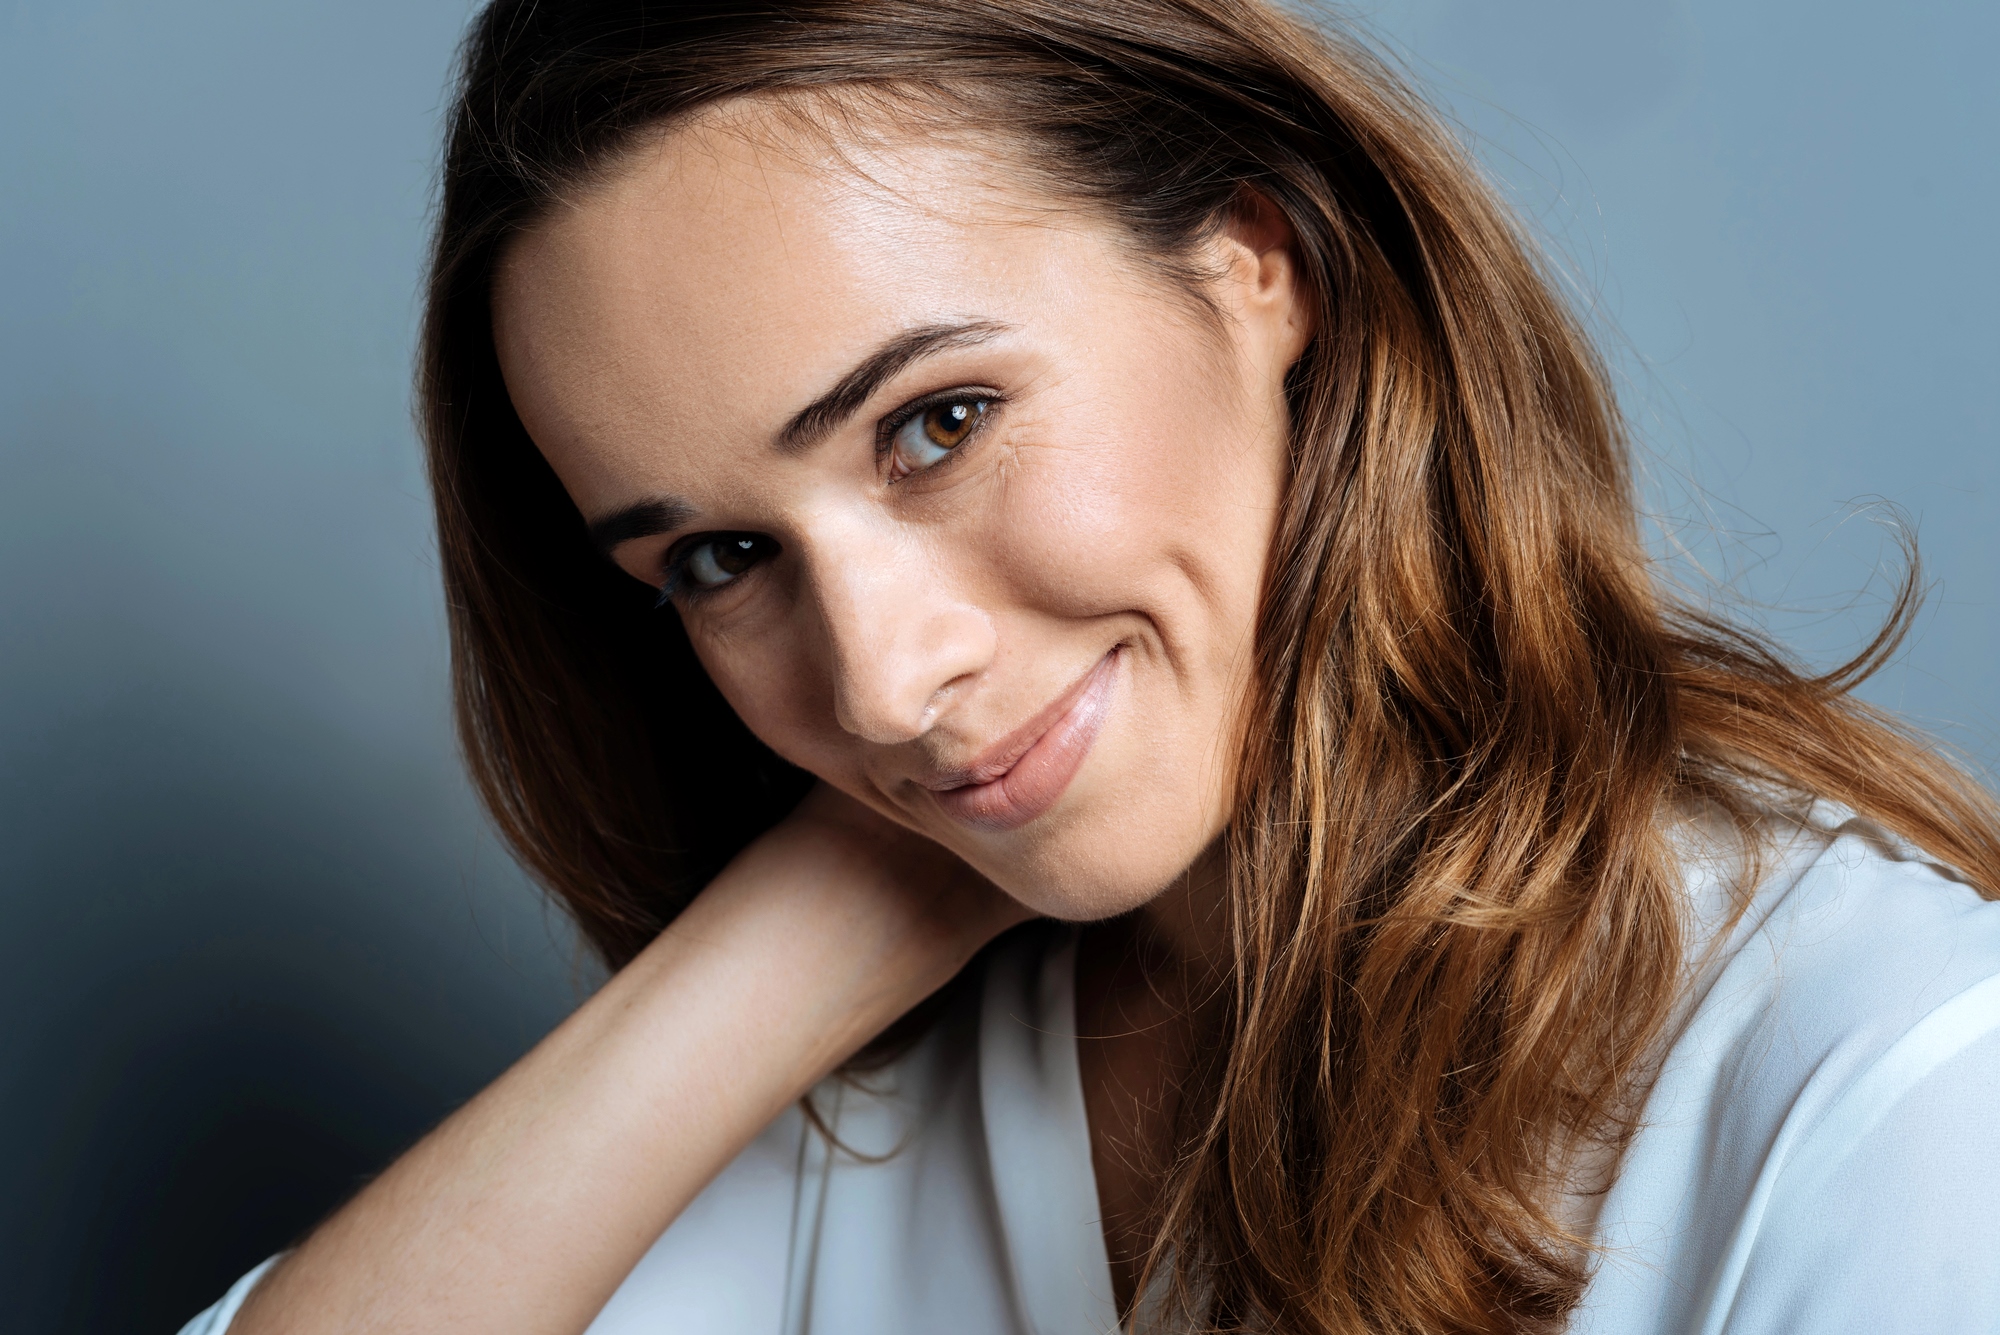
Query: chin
x,y
1089,876
1112,846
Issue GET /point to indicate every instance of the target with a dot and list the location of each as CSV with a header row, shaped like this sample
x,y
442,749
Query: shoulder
x,y
216,1320
1818,1131
1854,953
1867,1100
1849,938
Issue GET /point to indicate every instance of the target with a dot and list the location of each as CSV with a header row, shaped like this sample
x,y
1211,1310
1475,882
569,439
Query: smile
x,y
1025,773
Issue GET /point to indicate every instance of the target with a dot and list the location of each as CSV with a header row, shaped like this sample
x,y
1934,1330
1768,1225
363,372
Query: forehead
x,y
742,261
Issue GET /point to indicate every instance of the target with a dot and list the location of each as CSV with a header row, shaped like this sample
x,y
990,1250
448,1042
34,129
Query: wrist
x,y
799,951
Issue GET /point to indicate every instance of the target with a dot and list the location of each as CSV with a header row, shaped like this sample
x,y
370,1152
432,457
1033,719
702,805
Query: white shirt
x,y
1820,1151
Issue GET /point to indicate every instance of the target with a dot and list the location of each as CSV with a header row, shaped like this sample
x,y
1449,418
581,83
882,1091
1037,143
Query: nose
x,y
900,636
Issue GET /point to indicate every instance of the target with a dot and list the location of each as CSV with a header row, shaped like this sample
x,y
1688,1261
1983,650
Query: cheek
x,y
778,691
1072,526
1170,517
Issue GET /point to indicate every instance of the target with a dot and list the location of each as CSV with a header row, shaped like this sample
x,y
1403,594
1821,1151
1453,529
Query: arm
x,y
524,1210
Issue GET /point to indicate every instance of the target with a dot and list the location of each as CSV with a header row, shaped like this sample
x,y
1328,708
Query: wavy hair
x,y
1455,917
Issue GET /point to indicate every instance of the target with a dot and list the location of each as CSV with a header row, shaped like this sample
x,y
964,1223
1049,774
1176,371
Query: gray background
x,y
253,936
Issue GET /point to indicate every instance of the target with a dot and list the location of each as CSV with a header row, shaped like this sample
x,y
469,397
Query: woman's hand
x,y
524,1210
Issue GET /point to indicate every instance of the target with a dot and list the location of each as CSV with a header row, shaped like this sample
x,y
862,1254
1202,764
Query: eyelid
x,y
675,556
886,429
674,561
674,566
671,565
756,550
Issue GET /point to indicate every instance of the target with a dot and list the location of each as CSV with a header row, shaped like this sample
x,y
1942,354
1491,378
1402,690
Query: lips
x,y
1024,774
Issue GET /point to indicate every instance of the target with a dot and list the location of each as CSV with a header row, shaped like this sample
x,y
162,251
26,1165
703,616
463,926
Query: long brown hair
x,y
1456,920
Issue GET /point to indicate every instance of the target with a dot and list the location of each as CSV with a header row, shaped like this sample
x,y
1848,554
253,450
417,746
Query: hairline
x,y
950,110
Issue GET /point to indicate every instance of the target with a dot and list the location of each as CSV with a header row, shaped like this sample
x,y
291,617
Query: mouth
x,y
1023,775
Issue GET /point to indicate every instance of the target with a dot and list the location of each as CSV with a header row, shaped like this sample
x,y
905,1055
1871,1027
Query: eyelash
x,y
891,425
676,584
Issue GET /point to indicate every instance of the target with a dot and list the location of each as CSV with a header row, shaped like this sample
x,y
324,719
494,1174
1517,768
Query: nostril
x,y
942,698
903,650
888,696
883,699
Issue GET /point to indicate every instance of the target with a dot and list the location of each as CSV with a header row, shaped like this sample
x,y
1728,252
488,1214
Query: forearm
x,y
523,1211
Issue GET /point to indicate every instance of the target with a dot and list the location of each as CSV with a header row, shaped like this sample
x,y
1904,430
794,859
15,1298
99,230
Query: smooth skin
x,y
1065,490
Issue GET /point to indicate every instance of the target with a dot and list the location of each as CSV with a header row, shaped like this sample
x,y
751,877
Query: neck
x,y
1185,928
1146,987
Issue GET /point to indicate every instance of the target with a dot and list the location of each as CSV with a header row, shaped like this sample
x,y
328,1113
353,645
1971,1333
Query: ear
x,y
1256,254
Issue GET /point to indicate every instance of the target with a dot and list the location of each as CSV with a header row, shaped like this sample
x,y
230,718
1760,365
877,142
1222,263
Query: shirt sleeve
x,y
1888,1221
215,1321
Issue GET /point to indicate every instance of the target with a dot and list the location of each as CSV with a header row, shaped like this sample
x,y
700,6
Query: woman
x,y
906,468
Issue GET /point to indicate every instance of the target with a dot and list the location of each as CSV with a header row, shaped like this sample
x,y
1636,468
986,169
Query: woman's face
x,y
964,506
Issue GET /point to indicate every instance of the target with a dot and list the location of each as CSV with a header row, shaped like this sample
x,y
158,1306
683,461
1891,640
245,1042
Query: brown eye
x,y
935,432
721,557
949,423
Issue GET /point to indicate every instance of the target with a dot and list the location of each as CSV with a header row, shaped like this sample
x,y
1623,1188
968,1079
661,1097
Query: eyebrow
x,y
810,425
641,520
818,419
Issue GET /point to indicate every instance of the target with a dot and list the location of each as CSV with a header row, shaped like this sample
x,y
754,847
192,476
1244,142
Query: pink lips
x,y
1023,775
